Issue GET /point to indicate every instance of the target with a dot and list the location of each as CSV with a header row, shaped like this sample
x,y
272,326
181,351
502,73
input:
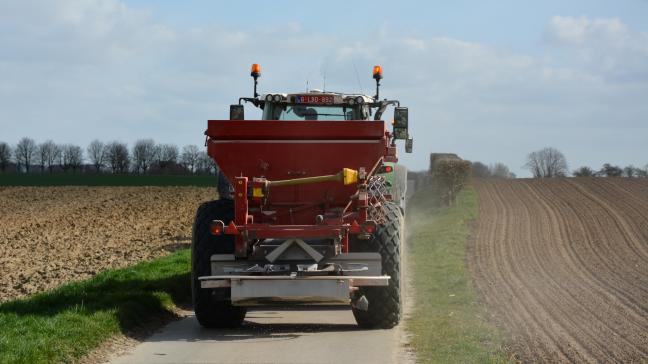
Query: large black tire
x,y
385,303
213,307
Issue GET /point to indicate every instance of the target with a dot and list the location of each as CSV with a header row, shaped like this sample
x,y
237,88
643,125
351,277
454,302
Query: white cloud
x,y
583,30
606,46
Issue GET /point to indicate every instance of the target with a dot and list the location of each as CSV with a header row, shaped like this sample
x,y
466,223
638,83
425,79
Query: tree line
x,y
145,156
497,170
550,162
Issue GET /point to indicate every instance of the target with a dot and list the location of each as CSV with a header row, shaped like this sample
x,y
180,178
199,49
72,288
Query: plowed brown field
x,y
49,236
563,266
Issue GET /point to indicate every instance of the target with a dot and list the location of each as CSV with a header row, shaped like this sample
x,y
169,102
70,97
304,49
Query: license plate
x,y
314,99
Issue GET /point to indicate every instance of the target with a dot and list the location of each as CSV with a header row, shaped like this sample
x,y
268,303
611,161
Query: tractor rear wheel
x,y
384,309
213,307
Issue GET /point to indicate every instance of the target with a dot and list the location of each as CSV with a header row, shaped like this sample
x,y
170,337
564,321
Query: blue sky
x,y
506,23
489,80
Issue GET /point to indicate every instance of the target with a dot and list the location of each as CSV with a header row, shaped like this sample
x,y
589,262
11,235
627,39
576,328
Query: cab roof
x,y
318,97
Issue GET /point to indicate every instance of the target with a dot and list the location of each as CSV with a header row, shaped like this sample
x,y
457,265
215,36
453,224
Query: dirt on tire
x,y
53,235
563,266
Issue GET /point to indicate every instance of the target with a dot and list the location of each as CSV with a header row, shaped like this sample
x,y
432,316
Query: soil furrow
x,y
630,210
626,289
591,319
562,266
534,331
552,273
531,270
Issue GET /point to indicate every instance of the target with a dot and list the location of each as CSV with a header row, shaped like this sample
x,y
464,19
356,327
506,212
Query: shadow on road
x,y
272,324
274,331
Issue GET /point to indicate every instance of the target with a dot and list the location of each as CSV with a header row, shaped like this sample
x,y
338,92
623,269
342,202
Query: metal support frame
x,y
354,281
256,83
240,214
346,264
377,96
272,257
244,229
268,231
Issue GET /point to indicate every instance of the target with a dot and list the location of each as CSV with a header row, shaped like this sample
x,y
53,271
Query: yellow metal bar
x,y
347,176
305,180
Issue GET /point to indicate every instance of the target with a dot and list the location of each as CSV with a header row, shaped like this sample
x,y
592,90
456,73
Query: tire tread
x,y
384,302
212,307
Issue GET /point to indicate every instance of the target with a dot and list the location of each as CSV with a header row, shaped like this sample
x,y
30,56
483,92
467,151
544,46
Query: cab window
x,y
309,112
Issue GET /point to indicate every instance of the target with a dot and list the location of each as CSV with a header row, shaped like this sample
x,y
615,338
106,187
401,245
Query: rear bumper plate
x,y
264,290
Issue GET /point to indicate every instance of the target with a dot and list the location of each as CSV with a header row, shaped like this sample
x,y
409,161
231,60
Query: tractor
x,y
307,213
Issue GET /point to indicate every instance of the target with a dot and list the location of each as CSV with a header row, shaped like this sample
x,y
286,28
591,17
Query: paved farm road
x,y
273,336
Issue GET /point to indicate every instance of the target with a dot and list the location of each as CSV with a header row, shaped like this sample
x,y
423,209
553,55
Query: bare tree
x,y
76,157
480,170
25,152
500,170
5,156
97,154
547,163
72,157
41,156
610,170
630,171
189,157
584,172
63,157
205,164
117,157
642,172
167,156
144,152
48,154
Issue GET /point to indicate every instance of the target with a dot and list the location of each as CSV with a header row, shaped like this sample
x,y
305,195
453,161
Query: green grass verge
x,y
447,324
64,324
71,179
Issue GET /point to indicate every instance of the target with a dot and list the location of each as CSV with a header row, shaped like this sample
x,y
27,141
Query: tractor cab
x,y
316,105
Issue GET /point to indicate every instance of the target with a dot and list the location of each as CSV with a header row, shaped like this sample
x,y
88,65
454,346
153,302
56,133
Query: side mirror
x,y
400,117
237,112
400,123
400,133
409,143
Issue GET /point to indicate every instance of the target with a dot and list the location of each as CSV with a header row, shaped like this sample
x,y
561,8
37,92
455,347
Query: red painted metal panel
x,y
279,150
295,130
